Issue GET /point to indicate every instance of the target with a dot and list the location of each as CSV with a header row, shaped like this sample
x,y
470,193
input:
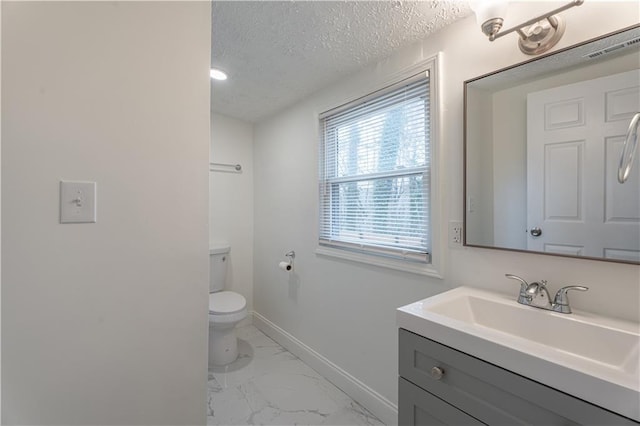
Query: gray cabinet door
x,y
418,407
492,394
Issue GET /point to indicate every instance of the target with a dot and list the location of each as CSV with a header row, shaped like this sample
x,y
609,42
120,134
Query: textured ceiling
x,y
278,52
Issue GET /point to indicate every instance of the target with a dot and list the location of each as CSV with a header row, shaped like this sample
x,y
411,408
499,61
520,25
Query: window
x,y
375,173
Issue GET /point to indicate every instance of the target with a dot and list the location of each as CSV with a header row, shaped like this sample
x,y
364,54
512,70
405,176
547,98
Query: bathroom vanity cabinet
x,y
439,385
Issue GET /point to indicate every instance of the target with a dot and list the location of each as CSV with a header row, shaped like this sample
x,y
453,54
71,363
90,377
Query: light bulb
x,y
216,74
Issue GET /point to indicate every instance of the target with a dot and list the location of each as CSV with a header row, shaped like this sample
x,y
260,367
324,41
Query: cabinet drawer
x,y
418,407
491,394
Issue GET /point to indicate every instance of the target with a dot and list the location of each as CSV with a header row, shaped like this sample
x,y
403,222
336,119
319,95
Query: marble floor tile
x,y
267,385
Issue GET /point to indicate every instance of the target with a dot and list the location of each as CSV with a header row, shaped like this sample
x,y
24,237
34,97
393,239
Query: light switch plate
x,y
77,202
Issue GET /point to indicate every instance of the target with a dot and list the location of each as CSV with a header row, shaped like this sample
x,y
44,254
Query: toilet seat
x,y
226,302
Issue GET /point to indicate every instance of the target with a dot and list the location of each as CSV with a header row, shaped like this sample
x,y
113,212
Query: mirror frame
x,y
465,159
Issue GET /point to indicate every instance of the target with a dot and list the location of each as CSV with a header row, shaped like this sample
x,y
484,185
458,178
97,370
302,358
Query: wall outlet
x,y
455,233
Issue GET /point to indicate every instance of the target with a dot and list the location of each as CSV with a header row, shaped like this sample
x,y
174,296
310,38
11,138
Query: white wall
x,y
480,177
346,311
0,218
105,323
231,200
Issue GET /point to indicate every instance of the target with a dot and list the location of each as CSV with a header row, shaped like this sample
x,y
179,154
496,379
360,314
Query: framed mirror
x,y
543,146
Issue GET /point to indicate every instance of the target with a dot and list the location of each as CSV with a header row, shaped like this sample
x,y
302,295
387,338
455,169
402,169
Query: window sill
x,y
411,267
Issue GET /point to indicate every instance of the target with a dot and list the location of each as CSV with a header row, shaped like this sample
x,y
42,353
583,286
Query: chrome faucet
x,y
537,295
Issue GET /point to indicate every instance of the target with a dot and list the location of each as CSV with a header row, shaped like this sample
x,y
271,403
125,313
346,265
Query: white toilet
x,y
226,309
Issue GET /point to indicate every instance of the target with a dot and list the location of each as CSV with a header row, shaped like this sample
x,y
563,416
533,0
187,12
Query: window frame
x,y
352,252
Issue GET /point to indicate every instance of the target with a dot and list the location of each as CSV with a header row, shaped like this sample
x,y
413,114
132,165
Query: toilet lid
x,y
226,302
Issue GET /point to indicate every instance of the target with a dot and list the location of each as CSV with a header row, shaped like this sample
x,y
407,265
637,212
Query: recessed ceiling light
x,y
217,74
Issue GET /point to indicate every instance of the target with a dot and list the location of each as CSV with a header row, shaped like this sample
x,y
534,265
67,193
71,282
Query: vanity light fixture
x,y
217,74
537,35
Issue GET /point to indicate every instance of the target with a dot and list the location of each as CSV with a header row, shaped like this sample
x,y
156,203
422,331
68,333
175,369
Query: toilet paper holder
x,y
288,265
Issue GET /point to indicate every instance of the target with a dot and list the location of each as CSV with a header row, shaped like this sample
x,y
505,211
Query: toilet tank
x,y
218,259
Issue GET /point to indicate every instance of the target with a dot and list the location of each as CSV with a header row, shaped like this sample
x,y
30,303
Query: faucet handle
x,y
561,301
523,298
523,283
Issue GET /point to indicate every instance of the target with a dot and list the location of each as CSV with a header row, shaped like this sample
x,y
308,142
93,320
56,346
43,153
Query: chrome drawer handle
x,y
437,373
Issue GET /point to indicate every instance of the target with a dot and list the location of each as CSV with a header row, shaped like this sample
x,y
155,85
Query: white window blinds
x,y
375,173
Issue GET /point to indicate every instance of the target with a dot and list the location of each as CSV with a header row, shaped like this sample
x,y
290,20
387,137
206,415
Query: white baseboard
x,y
380,406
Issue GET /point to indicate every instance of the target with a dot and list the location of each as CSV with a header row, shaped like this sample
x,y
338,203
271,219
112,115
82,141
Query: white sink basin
x,y
588,356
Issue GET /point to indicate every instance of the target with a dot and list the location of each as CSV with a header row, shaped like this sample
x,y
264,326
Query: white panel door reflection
x,y
574,142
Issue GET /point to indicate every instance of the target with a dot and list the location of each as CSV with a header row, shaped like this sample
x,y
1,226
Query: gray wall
x,y
105,323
